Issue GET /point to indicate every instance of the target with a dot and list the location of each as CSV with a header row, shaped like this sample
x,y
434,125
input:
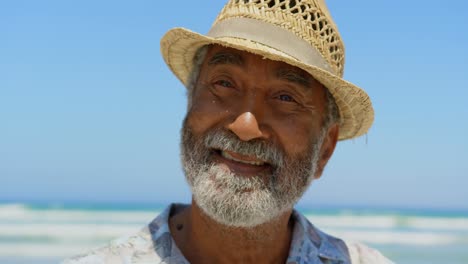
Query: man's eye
x,y
286,98
224,83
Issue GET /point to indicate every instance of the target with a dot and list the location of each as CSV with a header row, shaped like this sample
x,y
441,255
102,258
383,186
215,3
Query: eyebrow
x,y
294,76
226,58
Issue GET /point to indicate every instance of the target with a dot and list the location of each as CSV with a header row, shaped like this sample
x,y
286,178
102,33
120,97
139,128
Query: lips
x,y
241,158
242,164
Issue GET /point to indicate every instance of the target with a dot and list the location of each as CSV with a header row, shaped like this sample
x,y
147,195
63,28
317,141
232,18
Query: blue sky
x,y
90,112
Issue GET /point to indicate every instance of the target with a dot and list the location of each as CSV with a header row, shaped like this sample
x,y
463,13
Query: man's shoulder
x,y
149,245
362,254
136,248
336,248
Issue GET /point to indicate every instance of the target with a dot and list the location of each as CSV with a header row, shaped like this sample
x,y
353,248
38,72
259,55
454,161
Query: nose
x,y
246,127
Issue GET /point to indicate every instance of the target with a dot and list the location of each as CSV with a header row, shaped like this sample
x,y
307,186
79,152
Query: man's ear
x,y
326,151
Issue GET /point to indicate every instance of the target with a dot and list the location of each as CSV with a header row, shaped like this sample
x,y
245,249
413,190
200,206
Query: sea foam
x,y
61,232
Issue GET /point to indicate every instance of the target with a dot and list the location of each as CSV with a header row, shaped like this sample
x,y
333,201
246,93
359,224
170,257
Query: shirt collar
x,y
163,243
310,243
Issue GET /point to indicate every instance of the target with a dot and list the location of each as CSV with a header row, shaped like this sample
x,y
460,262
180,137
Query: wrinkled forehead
x,y
220,55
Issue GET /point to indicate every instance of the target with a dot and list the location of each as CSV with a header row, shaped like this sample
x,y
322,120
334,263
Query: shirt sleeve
x,y
362,254
137,248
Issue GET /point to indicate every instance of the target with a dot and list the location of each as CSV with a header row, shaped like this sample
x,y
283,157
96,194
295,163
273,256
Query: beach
x,y
48,232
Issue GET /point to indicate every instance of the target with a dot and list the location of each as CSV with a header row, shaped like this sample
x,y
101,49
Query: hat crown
x,y
309,20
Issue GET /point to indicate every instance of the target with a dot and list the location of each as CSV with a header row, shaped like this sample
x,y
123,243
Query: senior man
x,y
266,107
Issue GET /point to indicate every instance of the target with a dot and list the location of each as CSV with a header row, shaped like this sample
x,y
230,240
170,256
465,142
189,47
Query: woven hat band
x,y
271,36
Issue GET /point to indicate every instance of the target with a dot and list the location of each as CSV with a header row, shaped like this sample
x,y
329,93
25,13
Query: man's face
x,y
252,139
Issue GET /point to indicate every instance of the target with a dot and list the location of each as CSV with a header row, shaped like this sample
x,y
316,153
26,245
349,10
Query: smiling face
x,y
253,138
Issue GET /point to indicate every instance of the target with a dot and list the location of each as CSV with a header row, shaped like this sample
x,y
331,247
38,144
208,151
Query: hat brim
x,y
179,46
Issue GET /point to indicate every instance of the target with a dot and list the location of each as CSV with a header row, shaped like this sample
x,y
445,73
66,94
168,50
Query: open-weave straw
x,y
300,33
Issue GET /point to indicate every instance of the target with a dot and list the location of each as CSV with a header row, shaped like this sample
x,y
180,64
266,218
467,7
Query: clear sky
x,y
90,112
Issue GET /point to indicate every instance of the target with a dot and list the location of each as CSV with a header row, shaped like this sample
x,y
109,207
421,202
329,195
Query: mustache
x,y
258,148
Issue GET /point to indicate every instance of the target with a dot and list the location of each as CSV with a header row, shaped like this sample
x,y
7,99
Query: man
x,y
266,108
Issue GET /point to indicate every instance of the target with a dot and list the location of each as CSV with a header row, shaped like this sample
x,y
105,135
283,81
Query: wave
x,y
65,232
400,238
391,222
60,232
21,213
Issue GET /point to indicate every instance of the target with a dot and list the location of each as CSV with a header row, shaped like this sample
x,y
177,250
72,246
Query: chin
x,y
234,200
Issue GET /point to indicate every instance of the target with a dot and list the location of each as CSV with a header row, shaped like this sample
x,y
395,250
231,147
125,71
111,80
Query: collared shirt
x,y
154,244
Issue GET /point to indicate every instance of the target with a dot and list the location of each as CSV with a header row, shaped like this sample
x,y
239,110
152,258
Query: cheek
x,y
295,137
205,113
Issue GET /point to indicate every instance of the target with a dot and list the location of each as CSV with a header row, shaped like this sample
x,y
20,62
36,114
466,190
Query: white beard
x,y
234,200
238,201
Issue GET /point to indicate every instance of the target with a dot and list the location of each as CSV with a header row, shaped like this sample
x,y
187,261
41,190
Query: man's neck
x,y
203,240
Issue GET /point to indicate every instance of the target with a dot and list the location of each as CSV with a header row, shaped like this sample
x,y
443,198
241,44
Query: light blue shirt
x,y
154,244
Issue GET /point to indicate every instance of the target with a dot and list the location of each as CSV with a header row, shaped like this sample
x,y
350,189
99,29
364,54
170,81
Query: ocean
x,y
46,233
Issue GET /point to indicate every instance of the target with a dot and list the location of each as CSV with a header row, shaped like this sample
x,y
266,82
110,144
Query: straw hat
x,y
300,33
